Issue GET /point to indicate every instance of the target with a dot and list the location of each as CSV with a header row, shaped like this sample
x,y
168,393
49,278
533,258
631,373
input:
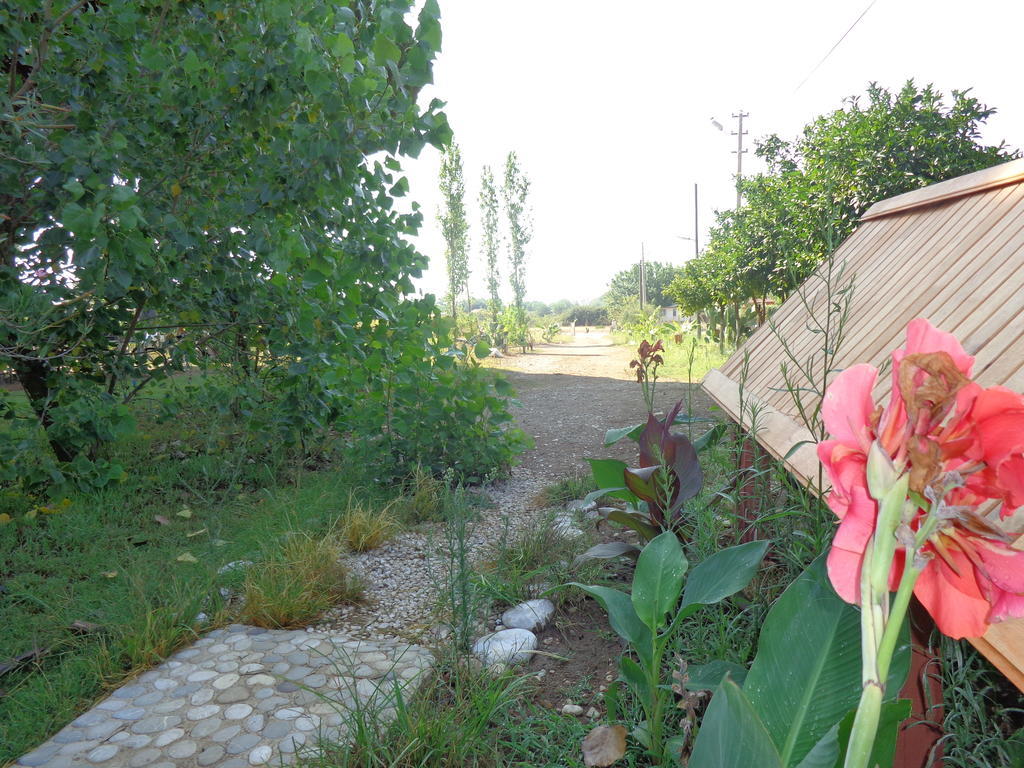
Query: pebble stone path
x,y
238,697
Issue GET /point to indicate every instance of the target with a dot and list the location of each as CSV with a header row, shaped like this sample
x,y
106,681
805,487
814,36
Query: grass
x,y
984,716
140,559
689,360
526,564
451,722
567,489
363,526
301,580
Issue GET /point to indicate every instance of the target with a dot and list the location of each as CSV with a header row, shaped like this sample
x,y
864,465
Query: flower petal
x,y
955,602
847,406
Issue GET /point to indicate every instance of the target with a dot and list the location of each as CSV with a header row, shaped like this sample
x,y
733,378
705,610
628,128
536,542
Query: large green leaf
x,y
608,473
724,573
622,617
893,713
731,734
658,579
707,677
806,675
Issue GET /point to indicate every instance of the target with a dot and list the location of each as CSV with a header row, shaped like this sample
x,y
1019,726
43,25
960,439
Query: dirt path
x,y
572,392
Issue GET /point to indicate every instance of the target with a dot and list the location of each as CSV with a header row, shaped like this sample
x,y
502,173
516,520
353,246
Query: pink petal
x,y
956,604
847,406
1006,606
922,336
1003,565
847,554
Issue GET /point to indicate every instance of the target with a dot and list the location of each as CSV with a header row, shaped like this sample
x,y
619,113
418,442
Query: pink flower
x,y
937,422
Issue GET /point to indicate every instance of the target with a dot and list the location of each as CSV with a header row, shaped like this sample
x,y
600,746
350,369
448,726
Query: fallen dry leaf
x,y
195,533
185,557
161,519
185,512
604,745
108,574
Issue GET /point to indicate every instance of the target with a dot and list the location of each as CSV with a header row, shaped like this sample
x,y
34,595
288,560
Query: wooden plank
x,y
989,178
776,432
953,253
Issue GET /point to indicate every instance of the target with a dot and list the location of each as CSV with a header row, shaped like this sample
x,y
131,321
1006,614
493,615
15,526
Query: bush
x,y
587,315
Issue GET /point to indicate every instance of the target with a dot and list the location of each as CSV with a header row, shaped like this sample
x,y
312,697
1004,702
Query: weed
x,y
984,721
363,527
522,566
567,489
449,723
425,496
297,584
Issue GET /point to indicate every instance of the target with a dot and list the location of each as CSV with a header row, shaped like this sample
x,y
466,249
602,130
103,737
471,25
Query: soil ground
x,y
571,393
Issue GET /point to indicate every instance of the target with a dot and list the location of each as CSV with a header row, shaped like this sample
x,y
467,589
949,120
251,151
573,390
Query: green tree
x,y
454,226
180,181
626,284
490,214
514,192
818,185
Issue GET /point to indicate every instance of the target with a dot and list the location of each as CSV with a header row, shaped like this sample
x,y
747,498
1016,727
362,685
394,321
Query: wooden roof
x,y
951,252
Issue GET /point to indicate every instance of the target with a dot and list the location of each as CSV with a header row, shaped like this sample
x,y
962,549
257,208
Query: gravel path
x,y
569,394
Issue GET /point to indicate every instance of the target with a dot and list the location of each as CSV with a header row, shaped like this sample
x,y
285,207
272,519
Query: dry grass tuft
x,y
304,580
362,527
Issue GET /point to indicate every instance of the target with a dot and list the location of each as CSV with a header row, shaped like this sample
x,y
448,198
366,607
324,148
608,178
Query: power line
x,y
833,48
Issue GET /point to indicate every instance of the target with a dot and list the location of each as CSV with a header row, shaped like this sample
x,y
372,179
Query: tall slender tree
x,y
489,210
454,226
514,194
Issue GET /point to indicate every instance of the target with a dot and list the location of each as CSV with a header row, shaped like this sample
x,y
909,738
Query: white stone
x,y
260,680
532,615
509,646
288,713
165,738
260,755
224,682
237,711
202,696
572,709
102,753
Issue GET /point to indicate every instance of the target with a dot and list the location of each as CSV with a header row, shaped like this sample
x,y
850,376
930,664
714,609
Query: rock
x,y
565,525
593,714
233,565
532,615
578,505
509,646
572,709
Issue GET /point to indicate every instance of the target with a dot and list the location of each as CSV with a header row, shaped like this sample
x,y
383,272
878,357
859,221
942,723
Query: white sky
x,y
608,105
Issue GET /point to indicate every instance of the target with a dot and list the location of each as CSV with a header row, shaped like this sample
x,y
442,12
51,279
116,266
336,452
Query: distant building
x,y
670,314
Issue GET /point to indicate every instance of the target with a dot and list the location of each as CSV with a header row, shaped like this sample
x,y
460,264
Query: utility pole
x,y
739,133
696,229
643,278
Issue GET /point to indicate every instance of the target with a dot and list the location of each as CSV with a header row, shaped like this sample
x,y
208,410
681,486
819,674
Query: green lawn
x,y
140,558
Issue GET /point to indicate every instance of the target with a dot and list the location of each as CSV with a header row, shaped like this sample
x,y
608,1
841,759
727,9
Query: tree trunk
x,y
32,375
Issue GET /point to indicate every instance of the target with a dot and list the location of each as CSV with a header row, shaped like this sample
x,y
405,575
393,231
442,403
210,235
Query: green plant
x,y
514,192
669,475
641,618
300,581
789,711
451,722
646,364
158,284
523,565
569,488
424,497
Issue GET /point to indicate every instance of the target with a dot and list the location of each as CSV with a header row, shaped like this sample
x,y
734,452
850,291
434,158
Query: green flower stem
x,y
865,725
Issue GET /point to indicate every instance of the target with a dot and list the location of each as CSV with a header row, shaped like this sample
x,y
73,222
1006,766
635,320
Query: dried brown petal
x,y
605,745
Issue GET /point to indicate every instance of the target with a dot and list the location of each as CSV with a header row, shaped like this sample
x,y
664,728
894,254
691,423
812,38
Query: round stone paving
x,y
238,696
